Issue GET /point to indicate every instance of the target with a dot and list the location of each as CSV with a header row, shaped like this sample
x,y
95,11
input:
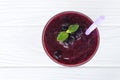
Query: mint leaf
x,y
72,28
62,36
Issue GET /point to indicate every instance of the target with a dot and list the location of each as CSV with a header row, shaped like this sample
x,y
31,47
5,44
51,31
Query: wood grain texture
x,y
59,73
22,56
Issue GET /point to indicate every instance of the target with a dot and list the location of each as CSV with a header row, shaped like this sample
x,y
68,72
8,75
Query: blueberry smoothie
x,y
64,39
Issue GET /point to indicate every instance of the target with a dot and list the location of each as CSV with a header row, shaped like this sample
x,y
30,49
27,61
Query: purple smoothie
x,y
78,48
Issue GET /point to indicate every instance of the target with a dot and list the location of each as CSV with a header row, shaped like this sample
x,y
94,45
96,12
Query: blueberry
x,y
66,43
78,34
64,26
58,54
72,37
70,42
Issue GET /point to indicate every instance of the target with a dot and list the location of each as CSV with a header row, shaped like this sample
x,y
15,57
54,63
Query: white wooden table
x,y
22,56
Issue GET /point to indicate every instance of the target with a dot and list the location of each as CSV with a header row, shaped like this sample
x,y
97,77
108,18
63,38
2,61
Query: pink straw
x,y
94,25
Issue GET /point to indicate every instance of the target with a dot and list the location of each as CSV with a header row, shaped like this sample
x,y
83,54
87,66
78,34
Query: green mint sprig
x,y
72,28
63,35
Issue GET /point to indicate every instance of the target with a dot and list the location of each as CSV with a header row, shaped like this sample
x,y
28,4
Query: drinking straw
x,y
94,25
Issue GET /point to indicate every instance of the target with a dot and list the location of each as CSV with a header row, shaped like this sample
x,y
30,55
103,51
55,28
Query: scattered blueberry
x,y
78,34
64,26
66,43
58,54
72,37
69,41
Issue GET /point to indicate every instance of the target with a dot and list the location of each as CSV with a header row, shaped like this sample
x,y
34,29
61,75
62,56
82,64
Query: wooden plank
x,y
59,73
38,12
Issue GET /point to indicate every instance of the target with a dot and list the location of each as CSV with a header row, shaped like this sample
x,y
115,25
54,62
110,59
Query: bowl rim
x,y
44,44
